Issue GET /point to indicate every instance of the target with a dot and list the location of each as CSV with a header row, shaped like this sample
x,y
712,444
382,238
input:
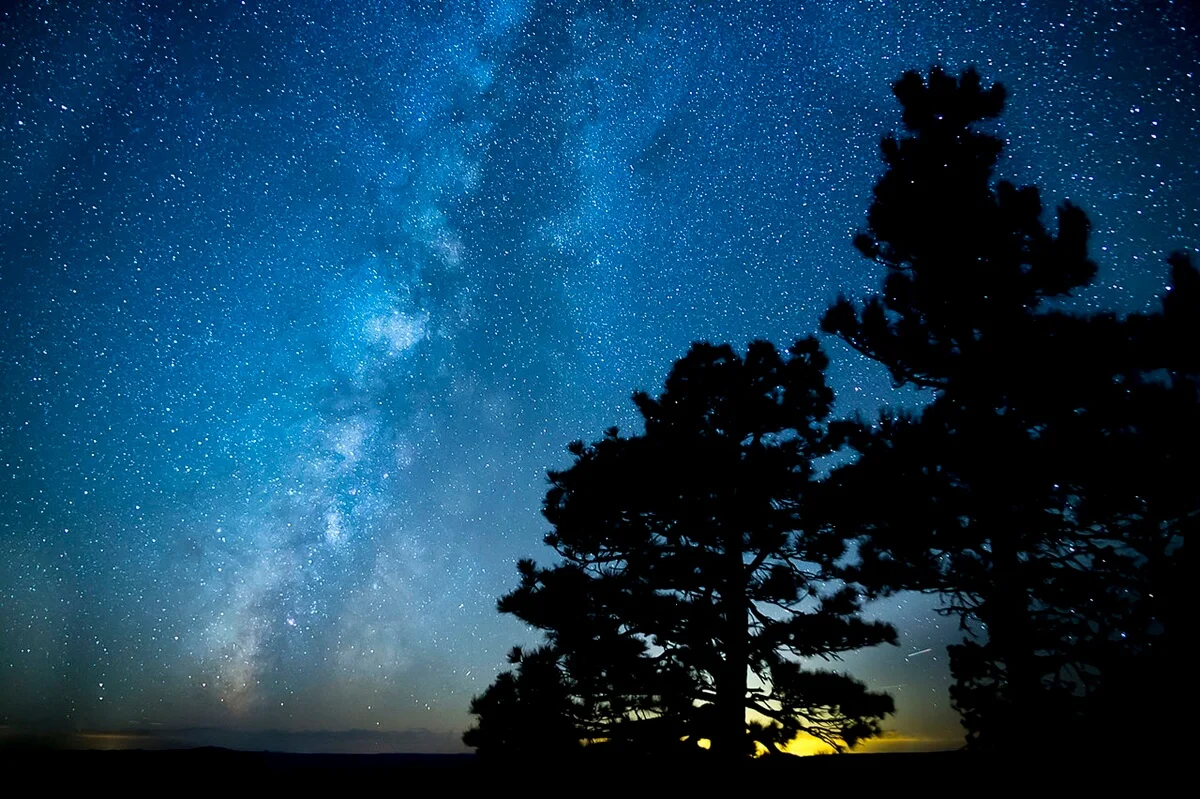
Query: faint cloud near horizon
x,y
418,741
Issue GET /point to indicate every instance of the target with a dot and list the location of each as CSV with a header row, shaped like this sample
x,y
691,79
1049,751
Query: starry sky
x,y
300,300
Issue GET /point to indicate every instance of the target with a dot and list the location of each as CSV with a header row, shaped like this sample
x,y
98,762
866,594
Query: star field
x,y
299,302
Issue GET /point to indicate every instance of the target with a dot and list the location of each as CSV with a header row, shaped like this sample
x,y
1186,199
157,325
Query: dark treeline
x,y
1043,493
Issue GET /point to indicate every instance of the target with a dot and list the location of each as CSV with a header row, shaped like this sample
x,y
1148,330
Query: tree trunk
x,y
729,738
1010,636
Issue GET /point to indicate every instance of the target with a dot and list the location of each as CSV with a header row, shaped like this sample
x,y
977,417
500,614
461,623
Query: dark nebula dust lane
x,y
299,301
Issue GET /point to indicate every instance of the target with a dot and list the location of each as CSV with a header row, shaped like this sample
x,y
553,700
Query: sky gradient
x,y
299,301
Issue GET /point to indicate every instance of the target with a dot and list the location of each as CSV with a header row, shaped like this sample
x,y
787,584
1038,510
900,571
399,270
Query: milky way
x,y
299,301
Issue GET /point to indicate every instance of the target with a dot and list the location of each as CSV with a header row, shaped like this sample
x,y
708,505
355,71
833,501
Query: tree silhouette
x,y
1130,443
689,590
1001,494
526,711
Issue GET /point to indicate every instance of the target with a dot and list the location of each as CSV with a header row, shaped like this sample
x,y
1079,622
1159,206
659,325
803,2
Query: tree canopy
x,y
689,591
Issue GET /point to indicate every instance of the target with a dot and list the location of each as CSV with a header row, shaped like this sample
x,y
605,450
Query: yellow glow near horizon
x,y
805,745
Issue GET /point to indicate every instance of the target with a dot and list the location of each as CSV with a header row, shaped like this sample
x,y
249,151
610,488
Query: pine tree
x,y
1000,494
525,712
689,590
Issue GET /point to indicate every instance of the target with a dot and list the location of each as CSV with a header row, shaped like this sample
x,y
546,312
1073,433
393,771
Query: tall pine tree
x,y
1002,494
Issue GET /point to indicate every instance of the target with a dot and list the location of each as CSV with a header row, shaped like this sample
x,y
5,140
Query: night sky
x,y
300,300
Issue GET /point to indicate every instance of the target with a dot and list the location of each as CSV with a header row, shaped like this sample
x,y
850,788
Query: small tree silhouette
x,y
525,712
689,590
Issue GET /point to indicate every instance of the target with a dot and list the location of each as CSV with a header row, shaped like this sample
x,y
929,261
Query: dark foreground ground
x,y
941,773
